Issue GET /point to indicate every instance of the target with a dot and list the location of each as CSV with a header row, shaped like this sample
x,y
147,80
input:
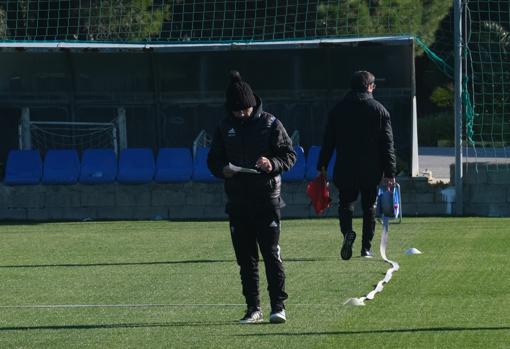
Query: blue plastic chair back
x,y
312,157
174,165
297,172
201,172
98,166
136,165
311,163
61,166
23,167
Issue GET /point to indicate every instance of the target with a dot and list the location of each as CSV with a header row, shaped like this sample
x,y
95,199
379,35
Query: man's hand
x,y
264,164
228,172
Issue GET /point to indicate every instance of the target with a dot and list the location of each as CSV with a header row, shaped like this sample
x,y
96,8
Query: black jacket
x,y
242,142
359,128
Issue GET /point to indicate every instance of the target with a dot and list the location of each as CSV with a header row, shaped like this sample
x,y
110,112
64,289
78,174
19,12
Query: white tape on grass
x,y
389,273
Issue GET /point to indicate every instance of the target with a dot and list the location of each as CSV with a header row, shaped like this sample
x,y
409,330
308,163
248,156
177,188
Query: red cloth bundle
x,y
318,192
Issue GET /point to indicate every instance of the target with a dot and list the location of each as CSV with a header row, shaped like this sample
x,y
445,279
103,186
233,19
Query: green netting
x,y
487,40
488,68
227,20
447,69
486,75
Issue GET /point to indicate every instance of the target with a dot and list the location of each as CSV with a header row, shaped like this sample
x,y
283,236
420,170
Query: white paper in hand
x,y
242,169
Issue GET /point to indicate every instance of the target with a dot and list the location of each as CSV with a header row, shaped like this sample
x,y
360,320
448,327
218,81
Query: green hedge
x,y
436,129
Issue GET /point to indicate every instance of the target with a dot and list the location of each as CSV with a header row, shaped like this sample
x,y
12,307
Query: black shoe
x,y
253,315
367,253
346,251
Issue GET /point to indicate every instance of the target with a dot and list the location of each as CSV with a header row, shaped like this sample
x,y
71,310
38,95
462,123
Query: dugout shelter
x,y
171,92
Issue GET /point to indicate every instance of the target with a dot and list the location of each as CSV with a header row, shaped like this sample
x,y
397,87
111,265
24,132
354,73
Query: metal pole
x,y
115,142
121,125
415,165
25,140
457,49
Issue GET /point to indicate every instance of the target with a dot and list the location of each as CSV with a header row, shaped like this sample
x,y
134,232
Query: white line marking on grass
x,y
53,306
115,305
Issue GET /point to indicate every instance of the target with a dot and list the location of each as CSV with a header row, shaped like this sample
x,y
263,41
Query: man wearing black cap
x,y
359,129
258,146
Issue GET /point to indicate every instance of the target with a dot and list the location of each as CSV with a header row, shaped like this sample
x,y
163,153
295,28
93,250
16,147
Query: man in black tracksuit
x,y
359,129
250,138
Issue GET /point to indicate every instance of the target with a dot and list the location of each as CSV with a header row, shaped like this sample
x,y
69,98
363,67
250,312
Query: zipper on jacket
x,y
243,129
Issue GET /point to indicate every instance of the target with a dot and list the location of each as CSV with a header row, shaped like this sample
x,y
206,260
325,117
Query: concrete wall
x,y
486,193
175,201
486,189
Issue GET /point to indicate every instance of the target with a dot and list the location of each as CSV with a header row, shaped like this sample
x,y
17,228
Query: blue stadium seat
x,y
98,166
311,162
296,173
201,172
23,167
136,165
61,166
174,165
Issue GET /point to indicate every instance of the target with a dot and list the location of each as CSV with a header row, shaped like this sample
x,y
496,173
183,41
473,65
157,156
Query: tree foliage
x,y
170,20
84,20
134,20
382,17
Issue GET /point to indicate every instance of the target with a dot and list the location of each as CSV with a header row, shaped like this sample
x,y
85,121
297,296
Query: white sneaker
x,y
367,253
253,315
278,317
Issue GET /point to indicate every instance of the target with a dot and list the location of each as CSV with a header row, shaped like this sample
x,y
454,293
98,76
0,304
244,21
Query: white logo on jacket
x,y
231,132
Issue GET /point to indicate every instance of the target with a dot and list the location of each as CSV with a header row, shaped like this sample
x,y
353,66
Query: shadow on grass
x,y
72,265
192,261
397,330
117,326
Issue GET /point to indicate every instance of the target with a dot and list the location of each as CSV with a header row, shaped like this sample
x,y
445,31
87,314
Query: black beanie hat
x,y
238,95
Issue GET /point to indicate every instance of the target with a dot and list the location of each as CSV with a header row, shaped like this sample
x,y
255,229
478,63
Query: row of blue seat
x,y
135,165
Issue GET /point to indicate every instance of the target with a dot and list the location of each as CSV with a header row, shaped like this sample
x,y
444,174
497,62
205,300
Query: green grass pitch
x,y
176,285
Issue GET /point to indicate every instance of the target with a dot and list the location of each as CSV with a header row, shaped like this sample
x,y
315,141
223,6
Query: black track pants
x,y
250,230
348,197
